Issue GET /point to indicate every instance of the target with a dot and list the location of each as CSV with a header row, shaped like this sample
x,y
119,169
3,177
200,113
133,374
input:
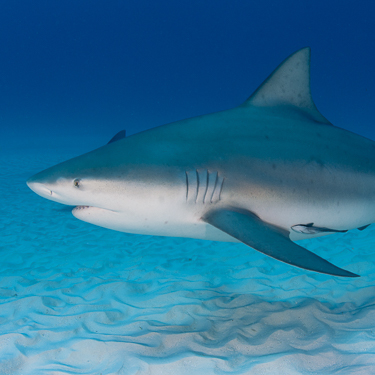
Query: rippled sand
x,y
79,299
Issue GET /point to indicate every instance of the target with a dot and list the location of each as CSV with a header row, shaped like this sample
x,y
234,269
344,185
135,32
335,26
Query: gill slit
x,y
187,186
213,191
204,196
221,188
196,196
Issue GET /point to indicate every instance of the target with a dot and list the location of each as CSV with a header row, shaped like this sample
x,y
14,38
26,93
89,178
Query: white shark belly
x,y
169,225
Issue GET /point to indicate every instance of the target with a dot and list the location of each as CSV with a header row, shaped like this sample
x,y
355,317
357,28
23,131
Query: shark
x,y
267,173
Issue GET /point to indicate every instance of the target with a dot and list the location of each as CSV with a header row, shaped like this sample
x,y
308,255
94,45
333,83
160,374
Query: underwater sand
x,y
79,299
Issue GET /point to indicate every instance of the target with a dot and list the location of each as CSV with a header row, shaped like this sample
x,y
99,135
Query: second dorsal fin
x,y
289,84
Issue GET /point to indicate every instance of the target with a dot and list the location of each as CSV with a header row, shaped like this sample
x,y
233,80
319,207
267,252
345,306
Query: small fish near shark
x,y
267,173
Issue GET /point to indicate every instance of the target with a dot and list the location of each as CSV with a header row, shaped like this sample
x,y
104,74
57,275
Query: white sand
x,y
79,299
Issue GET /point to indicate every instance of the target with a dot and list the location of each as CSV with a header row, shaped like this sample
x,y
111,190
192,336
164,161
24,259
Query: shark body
x,y
268,172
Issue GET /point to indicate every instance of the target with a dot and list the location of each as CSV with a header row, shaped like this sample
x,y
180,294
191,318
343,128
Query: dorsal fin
x,y
289,84
120,135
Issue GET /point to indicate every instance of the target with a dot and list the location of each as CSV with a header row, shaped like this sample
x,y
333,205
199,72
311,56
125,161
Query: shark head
x,y
78,182
114,187
96,184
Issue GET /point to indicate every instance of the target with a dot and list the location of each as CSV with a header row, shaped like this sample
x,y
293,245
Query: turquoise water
x,y
79,299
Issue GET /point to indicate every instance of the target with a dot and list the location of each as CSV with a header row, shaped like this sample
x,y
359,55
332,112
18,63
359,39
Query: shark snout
x,y
61,190
39,188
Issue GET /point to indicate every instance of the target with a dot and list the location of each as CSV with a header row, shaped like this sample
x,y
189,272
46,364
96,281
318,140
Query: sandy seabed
x,y
79,299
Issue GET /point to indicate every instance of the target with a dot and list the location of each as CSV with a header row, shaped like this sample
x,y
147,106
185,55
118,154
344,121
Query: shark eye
x,y
76,182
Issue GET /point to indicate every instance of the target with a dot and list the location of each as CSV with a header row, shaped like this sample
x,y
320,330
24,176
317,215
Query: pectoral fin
x,y
270,240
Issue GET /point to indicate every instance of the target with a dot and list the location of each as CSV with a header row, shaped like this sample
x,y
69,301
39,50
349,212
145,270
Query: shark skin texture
x,y
266,173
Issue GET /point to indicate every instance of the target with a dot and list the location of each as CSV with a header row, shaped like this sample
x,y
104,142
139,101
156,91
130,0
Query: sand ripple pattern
x,y
78,299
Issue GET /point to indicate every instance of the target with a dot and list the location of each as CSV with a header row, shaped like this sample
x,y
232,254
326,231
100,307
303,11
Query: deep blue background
x,y
74,68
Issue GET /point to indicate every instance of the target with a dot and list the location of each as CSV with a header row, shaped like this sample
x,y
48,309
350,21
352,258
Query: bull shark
x,y
267,173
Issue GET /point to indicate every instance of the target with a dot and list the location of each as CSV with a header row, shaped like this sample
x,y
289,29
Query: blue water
x,y
78,299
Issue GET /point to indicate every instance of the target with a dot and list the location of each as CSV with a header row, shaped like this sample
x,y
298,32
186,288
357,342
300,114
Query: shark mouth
x,y
83,211
80,207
